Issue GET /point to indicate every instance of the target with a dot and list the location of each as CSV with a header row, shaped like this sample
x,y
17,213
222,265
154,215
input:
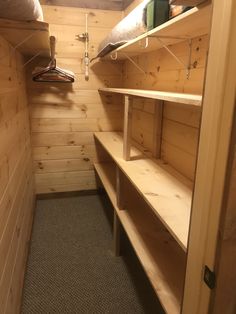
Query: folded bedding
x,y
21,10
133,25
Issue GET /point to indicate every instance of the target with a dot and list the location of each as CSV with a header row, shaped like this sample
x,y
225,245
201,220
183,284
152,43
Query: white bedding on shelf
x,y
21,10
133,25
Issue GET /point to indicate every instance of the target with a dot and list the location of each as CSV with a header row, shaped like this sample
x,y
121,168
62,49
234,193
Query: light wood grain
x,y
194,100
92,4
64,117
162,261
168,193
76,16
35,35
215,136
16,174
178,29
127,127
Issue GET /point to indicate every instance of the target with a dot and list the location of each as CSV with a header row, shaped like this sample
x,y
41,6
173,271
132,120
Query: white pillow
x,y
22,10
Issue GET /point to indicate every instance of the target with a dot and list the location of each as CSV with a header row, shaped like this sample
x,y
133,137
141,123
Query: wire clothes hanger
x,y
52,73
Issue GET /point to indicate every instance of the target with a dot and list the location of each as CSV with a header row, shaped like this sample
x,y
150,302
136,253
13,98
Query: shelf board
x,y
193,23
167,192
107,174
188,99
163,263
16,32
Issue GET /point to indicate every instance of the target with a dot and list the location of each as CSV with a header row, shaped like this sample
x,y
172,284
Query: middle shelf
x,y
162,259
188,99
167,192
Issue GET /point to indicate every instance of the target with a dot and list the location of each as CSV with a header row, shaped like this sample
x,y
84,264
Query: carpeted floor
x,y
71,267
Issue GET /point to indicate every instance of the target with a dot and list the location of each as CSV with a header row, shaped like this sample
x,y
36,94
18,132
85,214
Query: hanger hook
x,y
146,43
114,56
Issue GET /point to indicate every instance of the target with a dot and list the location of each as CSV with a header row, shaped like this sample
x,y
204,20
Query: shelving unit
x,y
188,99
190,24
164,264
168,193
29,37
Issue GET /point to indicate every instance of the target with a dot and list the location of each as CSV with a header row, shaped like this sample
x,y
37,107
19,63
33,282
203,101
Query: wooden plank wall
x,y
223,299
16,178
118,5
180,122
64,116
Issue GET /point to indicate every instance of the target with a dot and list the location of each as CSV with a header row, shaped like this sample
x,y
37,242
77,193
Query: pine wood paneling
x,y
93,4
181,123
16,178
76,16
64,116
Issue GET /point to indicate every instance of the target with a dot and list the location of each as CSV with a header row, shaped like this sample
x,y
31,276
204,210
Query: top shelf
x,y
31,36
188,99
193,23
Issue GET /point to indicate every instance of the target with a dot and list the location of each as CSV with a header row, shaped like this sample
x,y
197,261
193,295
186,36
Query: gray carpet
x,y
71,267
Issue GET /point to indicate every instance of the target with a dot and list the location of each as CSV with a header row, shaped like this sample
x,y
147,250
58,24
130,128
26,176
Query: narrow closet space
x,y
117,156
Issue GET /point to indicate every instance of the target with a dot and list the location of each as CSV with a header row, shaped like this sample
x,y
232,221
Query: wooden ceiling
x,y
117,5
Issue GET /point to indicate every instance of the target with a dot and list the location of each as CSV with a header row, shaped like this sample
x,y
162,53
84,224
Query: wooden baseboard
x,y
66,194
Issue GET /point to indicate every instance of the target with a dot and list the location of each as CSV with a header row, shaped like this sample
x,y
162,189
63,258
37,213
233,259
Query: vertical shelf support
x,y
120,205
157,129
116,234
127,127
119,189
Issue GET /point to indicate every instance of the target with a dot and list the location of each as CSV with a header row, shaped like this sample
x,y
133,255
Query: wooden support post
x,y
116,234
157,129
127,127
119,189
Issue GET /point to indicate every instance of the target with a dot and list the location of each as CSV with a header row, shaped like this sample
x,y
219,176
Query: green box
x,y
161,12
157,13
150,15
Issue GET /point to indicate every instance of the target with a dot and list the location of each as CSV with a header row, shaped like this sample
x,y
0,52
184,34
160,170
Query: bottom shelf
x,y
162,259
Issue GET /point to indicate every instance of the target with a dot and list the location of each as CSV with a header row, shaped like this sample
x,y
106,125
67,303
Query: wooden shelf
x,y
107,174
162,261
188,99
16,32
193,23
167,192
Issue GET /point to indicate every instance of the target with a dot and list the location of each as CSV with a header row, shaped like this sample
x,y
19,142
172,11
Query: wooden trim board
x,y
188,99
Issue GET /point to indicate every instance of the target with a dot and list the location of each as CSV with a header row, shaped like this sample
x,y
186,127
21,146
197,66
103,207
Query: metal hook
x,y
146,43
114,56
